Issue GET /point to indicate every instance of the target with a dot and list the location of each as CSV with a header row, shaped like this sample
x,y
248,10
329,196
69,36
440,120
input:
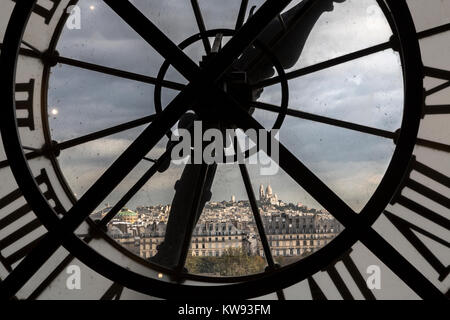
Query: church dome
x,y
126,213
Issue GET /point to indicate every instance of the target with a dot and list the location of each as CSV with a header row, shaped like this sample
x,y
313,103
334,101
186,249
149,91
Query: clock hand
x,y
286,37
172,253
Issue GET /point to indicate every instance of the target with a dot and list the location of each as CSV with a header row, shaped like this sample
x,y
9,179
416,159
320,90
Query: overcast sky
x,y
367,91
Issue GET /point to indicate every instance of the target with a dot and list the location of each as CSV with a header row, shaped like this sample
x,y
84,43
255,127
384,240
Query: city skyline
x,y
232,199
226,228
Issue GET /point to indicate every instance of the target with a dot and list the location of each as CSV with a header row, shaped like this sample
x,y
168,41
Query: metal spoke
x,y
325,65
256,215
118,73
315,187
259,224
294,167
103,69
178,59
241,16
135,189
56,147
349,125
348,57
126,162
28,52
56,58
36,51
104,133
326,120
201,25
154,36
30,148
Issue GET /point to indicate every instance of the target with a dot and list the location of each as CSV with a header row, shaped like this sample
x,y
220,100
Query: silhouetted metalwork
x,y
283,30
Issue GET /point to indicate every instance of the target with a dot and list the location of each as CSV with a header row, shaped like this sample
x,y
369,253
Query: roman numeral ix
x,y
21,232
408,229
44,12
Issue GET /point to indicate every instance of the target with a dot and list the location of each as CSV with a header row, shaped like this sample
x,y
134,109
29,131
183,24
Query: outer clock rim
x,y
67,188
267,282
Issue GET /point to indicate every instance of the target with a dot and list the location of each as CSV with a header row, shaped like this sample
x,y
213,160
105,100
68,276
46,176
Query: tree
x,y
233,262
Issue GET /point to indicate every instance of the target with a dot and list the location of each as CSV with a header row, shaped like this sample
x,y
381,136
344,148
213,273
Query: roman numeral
x,y
442,75
44,12
316,292
407,228
113,293
346,259
424,191
21,232
438,109
25,106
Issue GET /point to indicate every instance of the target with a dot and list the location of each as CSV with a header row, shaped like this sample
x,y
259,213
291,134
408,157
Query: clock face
x,y
349,200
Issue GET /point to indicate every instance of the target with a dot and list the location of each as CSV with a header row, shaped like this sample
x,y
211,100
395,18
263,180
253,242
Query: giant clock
x,y
403,228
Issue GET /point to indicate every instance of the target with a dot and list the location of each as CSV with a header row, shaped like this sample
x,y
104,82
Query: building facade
x,y
291,229
210,239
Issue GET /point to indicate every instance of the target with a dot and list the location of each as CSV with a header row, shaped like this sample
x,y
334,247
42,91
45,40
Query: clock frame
x,y
366,231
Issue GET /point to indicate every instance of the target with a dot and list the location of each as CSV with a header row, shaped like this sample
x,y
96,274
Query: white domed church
x,y
267,196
